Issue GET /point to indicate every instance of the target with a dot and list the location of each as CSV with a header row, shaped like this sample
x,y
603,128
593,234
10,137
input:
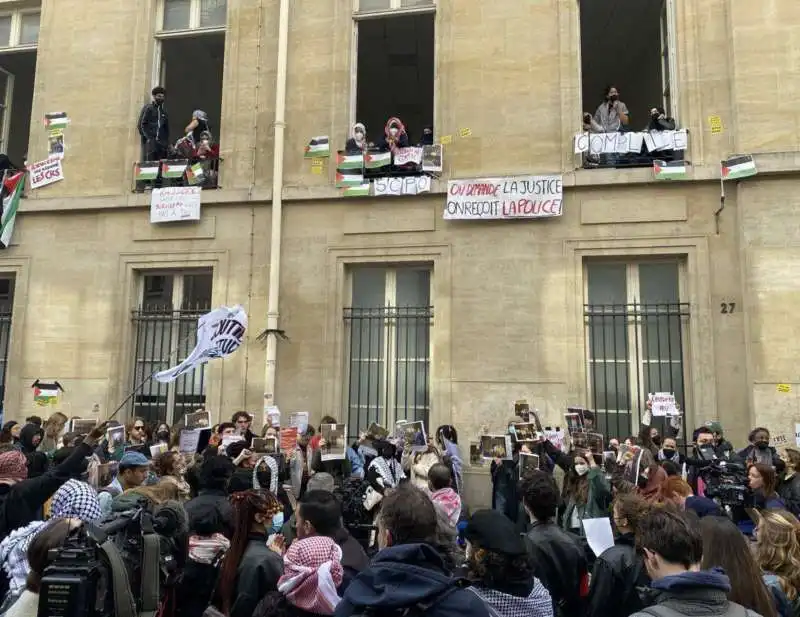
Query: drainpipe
x,y
270,368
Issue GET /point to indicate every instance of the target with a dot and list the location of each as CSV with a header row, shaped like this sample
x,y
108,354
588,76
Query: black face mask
x,y
641,482
657,440
762,445
163,436
668,452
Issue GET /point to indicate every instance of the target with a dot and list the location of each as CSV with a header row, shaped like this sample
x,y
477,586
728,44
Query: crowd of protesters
x,y
382,530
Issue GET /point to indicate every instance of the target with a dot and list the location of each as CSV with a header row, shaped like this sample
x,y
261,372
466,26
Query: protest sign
x,y
630,142
45,172
335,436
404,156
496,446
663,404
408,185
176,203
299,420
527,462
504,198
432,158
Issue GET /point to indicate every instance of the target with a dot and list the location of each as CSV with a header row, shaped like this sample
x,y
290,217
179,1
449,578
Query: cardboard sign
x,y
408,185
45,172
630,142
663,404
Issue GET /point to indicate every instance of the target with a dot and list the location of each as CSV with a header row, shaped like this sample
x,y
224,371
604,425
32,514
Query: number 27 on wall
x,y
727,308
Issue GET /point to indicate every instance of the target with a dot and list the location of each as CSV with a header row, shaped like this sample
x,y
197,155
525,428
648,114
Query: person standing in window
x,y
659,121
153,126
612,114
197,126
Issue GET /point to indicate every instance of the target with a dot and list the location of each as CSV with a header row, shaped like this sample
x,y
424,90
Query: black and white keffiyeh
x,y
388,469
273,476
537,604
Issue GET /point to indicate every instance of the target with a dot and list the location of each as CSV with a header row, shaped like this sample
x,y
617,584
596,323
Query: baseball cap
x,y
493,531
134,459
714,426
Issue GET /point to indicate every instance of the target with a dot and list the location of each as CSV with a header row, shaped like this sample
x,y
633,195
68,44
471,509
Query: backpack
x,y
415,610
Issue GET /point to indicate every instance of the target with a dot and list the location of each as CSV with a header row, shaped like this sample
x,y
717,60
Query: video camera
x,y
94,572
726,481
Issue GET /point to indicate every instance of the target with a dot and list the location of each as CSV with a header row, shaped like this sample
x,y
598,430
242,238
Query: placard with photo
x,y
522,410
82,426
527,462
115,436
414,436
526,432
264,445
335,436
496,446
574,420
475,457
197,419
595,441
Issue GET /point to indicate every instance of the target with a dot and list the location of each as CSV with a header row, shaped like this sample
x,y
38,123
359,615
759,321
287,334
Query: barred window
x,y
165,332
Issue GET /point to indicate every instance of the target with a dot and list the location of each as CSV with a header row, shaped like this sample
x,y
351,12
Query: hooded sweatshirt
x,y
353,145
398,141
702,594
406,576
37,461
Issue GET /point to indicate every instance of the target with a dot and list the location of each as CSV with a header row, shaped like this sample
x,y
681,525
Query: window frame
x,y
193,27
388,407
634,334
176,306
16,30
395,8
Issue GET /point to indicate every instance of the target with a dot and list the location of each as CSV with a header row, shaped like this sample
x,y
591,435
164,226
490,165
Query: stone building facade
x,y
500,307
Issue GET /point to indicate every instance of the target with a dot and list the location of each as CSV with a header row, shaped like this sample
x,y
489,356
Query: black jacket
x,y
275,604
37,461
724,449
750,453
504,482
790,493
354,559
560,563
20,502
153,123
257,575
216,498
617,574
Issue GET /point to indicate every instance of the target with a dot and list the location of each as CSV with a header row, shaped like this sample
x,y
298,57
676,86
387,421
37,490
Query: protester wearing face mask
x,y
357,143
669,452
394,135
722,447
612,114
650,439
761,452
587,493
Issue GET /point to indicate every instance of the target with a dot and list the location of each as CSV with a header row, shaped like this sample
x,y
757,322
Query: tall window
x,y
388,327
189,57
164,329
636,328
393,72
6,304
19,35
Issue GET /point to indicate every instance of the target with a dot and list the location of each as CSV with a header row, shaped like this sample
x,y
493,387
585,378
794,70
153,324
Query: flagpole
x,y
721,197
149,378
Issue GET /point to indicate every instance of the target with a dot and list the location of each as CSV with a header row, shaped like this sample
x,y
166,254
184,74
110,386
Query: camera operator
x,y
21,498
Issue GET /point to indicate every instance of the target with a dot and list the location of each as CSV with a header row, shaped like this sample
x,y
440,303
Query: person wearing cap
x,y
131,472
722,447
500,569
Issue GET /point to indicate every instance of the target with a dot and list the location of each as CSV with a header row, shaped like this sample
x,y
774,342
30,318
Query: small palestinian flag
x,y
360,190
13,185
56,120
669,170
194,173
377,160
348,180
739,167
349,161
318,147
173,169
147,171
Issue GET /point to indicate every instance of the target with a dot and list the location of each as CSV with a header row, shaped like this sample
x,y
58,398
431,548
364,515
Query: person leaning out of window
x,y
659,121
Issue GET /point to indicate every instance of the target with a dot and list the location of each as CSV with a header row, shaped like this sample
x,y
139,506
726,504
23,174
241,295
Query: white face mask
x,y
393,132
581,470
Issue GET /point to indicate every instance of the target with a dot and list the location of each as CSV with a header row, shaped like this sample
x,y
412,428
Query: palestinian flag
x,y
13,185
359,190
147,171
318,147
349,161
173,169
45,394
57,120
194,174
348,180
377,160
739,167
669,170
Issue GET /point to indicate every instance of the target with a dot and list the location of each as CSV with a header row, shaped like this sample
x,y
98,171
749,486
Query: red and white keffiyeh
x,y
312,571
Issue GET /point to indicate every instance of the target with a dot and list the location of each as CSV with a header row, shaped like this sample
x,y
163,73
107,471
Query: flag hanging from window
x,y
669,170
13,185
739,167
376,160
349,161
345,180
318,147
358,190
219,334
173,169
147,171
194,174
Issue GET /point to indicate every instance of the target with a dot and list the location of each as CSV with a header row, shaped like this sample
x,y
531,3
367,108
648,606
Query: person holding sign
x,y
586,491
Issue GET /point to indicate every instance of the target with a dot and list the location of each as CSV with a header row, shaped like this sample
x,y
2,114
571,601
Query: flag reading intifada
x,y
738,167
669,170
13,185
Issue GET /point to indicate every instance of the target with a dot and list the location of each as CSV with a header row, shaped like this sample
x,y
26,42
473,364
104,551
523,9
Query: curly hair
x,y
632,508
165,463
778,548
494,570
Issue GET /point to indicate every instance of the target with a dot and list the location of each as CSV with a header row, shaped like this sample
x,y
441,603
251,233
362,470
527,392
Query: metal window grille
x,y
634,349
5,339
164,337
388,365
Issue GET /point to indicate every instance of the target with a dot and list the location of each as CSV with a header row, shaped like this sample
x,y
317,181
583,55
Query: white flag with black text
x,y
219,334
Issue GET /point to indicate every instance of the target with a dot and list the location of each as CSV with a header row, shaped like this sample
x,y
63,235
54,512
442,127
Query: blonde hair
x,y
158,493
778,548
